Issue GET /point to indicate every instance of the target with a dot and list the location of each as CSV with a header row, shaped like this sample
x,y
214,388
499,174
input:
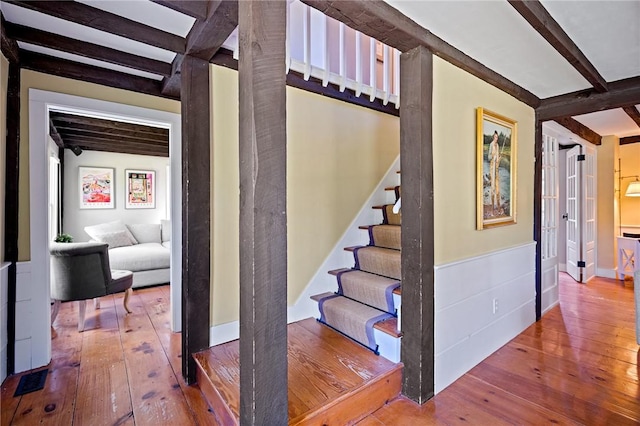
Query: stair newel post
x,y
263,220
416,160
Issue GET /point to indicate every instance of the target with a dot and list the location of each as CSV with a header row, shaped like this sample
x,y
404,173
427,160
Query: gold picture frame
x,y
496,154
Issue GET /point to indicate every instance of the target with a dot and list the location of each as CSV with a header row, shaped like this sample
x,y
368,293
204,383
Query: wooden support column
x,y
196,201
12,161
537,214
416,160
263,217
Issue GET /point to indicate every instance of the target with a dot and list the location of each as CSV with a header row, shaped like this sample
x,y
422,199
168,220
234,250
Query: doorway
x,y
40,103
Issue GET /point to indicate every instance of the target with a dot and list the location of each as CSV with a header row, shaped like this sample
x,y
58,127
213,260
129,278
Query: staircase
x,y
366,305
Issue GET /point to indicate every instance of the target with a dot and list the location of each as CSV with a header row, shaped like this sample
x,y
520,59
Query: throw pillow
x,y
114,239
105,228
146,232
166,230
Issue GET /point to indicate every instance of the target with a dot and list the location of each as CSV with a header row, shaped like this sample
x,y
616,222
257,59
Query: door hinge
x,y
582,264
581,157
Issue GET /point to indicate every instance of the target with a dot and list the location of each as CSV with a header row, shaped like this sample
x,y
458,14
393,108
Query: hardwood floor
x,y
578,365
123,369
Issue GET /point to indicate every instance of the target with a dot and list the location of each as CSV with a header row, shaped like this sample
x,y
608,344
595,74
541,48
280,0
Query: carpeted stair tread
x,y
373,290
387,236
389,217
351,318
378,260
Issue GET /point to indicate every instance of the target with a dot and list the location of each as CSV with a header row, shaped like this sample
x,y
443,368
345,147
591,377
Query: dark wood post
x,y
416,160
263,213
12,171
196,201
537,215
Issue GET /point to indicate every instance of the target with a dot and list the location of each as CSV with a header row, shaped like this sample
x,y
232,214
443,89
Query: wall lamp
x,y
633,190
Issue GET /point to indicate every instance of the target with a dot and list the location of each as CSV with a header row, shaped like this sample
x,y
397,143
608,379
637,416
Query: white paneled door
x,y
550,217
581,212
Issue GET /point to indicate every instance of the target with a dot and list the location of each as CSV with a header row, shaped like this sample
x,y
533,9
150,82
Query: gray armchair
x,y
80,271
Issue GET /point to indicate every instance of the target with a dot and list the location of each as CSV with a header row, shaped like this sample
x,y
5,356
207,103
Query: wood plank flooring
x,y
122,370
578,365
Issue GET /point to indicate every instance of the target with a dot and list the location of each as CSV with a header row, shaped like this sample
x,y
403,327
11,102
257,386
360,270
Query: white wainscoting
x,y
24,319
466,328
4,310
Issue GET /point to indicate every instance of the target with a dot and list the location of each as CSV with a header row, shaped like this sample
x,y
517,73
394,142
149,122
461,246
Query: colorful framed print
x,y
496,169
141,189
96,188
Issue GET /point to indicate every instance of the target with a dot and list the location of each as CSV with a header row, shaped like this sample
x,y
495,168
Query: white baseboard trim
x,y
550,307
562,267
224,333
606,273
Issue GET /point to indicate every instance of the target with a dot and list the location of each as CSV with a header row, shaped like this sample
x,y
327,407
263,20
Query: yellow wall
x,y
35,80
4,76
630,164
605,215
336,155
456,96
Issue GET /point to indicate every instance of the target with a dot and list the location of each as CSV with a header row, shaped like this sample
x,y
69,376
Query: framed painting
x,y
96,188
141,189
496,169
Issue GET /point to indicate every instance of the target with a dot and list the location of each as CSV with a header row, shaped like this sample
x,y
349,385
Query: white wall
x,y
75,219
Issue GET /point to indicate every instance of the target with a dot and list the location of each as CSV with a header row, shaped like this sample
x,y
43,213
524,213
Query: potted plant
x,y
64,238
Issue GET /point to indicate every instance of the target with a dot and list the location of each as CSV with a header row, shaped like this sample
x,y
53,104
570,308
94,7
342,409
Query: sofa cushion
x,y
114,239
140,257
146,232
104,228
166,230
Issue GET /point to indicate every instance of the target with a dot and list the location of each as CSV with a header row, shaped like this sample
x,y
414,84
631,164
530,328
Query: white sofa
x,y
144,249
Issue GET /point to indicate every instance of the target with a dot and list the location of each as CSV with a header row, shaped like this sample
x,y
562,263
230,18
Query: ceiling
x,y
492,32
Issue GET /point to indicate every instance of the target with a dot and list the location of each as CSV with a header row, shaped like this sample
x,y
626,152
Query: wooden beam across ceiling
x,y
194,8
70,69
622,93
541,20
106,21
88,50
53,133
80,133
119,126
381,21
579,129
633,112
629,139
9,47
205,38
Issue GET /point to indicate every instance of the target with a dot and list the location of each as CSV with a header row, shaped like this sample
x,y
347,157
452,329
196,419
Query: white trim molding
x,y
35,351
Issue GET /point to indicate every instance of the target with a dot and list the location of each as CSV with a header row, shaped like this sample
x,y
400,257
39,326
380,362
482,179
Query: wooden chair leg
x,y
82,308
96,303
54,310
127,294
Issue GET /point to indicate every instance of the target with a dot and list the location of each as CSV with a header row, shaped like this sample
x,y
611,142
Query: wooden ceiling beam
x,y
541,20
92,17
633,112
579,129
629,139
205,39
622,93
381,21
9,47
84,132
93,138
194,8
74,70
125,149
61,118
88,50
113,145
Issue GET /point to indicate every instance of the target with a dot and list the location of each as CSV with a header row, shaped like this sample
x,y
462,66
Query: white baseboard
x,y
606,273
